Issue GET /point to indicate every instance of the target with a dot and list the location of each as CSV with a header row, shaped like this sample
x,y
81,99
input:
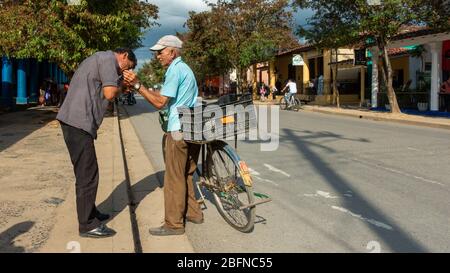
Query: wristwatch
x,y
137,86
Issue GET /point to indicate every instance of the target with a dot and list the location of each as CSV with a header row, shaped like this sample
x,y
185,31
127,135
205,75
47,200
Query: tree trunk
x,y
336,99
388,79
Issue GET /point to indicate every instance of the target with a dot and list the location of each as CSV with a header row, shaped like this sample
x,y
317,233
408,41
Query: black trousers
x,y
82,154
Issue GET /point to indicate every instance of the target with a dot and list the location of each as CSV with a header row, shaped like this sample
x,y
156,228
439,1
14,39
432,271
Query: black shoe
x,y
101,216
165,231
101,231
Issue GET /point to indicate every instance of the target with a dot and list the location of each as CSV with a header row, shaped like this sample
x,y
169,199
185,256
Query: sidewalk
x,y
112,198
148,195
356,112
37,189
35,177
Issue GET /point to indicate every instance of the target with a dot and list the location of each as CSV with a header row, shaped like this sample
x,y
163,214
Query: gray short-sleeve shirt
x,y
85,105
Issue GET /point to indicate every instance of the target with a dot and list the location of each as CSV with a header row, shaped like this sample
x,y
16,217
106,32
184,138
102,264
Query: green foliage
x,y
151,73
66,34
236,34
355,20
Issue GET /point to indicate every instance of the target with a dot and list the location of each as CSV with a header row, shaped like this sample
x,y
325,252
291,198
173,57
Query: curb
x,y
362,116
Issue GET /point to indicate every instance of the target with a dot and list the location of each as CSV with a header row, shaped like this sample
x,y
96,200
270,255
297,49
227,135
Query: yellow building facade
x,y
353,80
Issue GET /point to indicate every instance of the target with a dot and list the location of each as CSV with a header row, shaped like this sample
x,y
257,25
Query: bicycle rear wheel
x,y
234,192
283,104
298,104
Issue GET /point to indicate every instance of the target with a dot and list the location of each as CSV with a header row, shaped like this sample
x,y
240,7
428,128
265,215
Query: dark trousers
x,y
82,154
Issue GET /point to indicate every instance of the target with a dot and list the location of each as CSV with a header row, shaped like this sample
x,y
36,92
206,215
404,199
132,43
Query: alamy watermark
x,y
211,122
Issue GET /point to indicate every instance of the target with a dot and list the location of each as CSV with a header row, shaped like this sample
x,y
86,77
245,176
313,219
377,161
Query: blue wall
x,y
21,79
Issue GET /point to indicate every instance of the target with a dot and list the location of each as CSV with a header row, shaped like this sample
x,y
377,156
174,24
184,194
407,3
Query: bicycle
x,y
225,175
127,98
291,103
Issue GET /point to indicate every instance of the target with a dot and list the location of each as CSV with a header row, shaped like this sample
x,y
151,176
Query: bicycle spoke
x,y
232,189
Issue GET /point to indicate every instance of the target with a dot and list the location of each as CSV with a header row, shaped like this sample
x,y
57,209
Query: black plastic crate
x,y
231,116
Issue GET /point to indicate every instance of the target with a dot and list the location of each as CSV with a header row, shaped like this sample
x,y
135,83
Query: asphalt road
x,y
338,184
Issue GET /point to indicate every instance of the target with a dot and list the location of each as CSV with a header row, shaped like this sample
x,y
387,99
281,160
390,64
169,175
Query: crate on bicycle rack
x,y
231,116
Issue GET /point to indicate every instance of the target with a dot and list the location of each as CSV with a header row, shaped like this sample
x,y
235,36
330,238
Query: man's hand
x,y
126,89
129,77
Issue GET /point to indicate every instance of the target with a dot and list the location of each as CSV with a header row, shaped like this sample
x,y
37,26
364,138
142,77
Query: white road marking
x,y
265,180
256,174
273,169
358,216
253,172
321,194
399,172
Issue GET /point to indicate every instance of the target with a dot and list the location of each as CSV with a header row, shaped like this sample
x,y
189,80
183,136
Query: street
x,y
338,184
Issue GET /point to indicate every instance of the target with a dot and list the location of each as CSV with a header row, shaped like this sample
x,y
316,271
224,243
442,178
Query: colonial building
x,y
420,60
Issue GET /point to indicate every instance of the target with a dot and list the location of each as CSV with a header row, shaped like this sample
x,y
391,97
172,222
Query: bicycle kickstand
x,y
201,201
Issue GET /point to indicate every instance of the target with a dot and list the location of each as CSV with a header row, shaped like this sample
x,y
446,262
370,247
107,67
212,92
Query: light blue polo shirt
x,y
181,87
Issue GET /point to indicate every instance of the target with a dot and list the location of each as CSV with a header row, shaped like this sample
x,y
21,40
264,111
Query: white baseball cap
x,y
167,41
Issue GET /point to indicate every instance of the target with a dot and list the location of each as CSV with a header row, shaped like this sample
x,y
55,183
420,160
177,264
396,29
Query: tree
x,y
319,32
66,34
202,50
152,73
238,34
379,24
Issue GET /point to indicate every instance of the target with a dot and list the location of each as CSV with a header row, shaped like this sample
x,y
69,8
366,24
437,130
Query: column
x,y
272,78
375,83
436,71
272,75
21,82
326,72
55,73
50,70
363,85
6,81
34,74
255,80
305,72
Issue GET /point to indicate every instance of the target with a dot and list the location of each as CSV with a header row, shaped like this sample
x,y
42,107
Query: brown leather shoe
x,y
195,221
166,231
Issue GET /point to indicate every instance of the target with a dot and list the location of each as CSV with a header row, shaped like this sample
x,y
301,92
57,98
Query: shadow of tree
x,y
7,237
397,239
17,125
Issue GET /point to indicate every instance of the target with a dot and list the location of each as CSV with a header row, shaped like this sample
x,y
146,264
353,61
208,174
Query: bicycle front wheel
x,y
233,194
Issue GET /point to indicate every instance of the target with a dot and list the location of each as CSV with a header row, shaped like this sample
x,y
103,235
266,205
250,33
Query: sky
x,y
173,14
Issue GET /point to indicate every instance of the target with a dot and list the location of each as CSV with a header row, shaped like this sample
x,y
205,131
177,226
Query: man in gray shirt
x,y
95,83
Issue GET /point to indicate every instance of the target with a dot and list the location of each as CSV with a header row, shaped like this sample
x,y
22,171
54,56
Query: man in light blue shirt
x,y
179,89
